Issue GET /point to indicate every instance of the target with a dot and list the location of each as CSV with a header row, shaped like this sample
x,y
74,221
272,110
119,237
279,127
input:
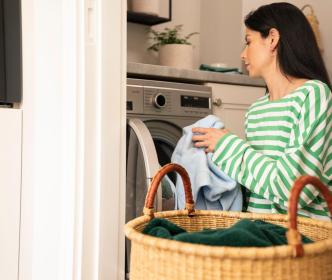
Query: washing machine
x,y
156,113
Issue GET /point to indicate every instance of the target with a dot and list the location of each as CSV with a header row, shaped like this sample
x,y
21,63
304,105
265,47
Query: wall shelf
x,y
145,19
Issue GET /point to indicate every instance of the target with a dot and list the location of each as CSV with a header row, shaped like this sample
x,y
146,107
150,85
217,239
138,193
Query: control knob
x,y
159,100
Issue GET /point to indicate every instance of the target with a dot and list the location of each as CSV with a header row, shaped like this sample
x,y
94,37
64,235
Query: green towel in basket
x,y
162,228
245,233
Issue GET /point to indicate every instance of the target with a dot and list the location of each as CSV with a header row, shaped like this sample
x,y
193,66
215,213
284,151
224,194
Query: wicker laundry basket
x,y
157,258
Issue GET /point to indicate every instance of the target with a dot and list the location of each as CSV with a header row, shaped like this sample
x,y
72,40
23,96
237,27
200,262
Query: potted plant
x,y
174,49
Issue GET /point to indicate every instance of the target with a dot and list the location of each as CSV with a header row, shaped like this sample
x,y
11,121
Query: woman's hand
x,y
207,137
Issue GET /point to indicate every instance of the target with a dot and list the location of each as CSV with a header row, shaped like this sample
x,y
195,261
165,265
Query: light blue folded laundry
x,y
212,189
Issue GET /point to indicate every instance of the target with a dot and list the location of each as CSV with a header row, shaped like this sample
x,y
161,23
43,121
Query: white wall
x,y
186,12
220,31
322,9
221,41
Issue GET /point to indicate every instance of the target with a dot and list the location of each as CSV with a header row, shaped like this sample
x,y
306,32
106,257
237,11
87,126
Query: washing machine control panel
x,y
188,101
165,98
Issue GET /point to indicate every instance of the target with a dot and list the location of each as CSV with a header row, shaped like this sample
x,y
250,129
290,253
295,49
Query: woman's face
x,y
257,54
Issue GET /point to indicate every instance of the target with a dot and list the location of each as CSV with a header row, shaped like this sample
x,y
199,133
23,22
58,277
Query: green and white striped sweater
x,y
285,139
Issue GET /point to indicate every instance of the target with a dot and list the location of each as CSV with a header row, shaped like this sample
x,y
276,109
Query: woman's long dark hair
x,y
298,52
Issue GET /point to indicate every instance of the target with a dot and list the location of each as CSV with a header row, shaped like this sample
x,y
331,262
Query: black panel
x,y
129,105
2,55
10,51
195,101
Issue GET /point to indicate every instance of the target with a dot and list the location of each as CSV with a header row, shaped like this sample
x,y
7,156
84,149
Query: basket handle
x,y
293,236
148,206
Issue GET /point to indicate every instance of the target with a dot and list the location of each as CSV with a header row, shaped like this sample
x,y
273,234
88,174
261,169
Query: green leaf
x,y
168,36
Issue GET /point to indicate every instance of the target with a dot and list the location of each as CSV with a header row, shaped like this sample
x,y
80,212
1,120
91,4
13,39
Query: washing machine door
x,y
147,147
142,164
150,144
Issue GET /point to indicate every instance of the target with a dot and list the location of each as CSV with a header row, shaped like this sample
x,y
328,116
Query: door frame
x,y
73,146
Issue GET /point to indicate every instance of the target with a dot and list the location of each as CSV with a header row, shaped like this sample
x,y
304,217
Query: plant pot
x,y
177,55
145,6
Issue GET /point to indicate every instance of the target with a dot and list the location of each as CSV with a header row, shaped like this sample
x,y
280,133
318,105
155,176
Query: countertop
x,y
151,71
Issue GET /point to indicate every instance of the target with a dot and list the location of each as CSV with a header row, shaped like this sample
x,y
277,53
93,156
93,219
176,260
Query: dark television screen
x,y
10,51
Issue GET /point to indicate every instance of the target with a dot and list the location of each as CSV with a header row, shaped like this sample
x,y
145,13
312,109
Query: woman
x,y
288,131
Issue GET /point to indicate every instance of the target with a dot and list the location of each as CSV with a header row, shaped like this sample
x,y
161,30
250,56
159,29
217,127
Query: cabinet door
x,y
10,189
231,102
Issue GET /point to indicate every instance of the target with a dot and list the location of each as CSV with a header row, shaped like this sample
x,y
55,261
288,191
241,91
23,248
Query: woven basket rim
x,y
274,252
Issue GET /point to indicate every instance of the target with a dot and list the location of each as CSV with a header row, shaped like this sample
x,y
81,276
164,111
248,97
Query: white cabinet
x,y
10,189
231,102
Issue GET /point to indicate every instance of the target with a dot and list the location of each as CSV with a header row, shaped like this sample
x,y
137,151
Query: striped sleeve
x,y
309,152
